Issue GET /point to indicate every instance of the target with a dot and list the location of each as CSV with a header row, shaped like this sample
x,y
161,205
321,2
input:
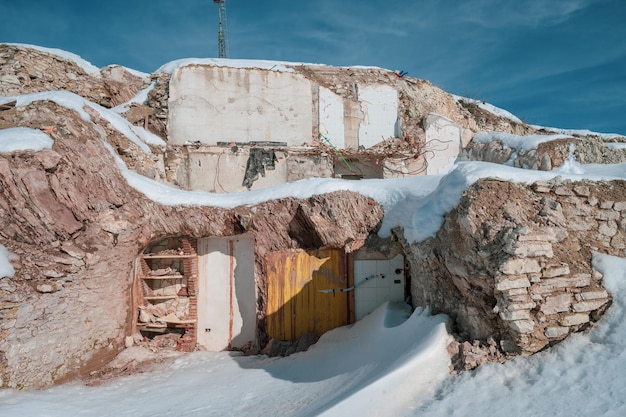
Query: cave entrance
x,y
197,292
166,279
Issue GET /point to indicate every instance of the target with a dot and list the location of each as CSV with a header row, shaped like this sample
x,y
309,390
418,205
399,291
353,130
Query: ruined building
x,y
100,266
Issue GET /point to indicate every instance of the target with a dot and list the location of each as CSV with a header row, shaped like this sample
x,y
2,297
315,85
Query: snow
x,y
281,66
350,371
72,101
140,98
227,62
6,268
22,139
428,198
519,143
578,132
615,145
489,107
87,66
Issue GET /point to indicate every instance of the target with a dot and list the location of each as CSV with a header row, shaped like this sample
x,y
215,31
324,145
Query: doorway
x,y
226,292
300,296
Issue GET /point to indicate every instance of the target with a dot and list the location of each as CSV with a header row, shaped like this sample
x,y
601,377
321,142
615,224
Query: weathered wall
x,y
225,169
518,270
75,227
331,117
379,109
219,104
443,143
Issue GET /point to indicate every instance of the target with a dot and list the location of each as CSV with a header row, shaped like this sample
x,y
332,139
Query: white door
x,y
377,281
226,292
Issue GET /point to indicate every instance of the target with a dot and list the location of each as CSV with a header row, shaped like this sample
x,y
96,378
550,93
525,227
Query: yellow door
x,y
295,304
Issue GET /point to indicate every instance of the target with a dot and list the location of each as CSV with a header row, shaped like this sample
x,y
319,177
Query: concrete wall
x,y
443,143
379,107
221,170
219,104
331,117
209,104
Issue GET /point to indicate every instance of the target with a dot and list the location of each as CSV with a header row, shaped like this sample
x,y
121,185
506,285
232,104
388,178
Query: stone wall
x,y
517,270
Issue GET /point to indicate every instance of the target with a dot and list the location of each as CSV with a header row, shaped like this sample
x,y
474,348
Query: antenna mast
x,y
222,50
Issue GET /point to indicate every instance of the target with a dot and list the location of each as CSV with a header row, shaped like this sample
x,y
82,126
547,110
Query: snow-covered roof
x,y
280,66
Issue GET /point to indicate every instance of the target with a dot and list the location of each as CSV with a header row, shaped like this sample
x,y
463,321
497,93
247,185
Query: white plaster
x,y
331,123
220,170
226,292
374,292
379,107
443,143
220,104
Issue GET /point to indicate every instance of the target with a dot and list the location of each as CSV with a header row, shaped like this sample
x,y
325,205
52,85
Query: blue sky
x,y
559,63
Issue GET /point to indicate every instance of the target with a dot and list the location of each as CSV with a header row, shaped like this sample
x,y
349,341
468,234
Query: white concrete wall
x,y
331,115
375,292
220,104
443,143
220,170
379,107
226,292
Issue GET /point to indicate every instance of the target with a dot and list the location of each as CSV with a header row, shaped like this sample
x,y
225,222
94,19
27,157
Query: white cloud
x,y
504,13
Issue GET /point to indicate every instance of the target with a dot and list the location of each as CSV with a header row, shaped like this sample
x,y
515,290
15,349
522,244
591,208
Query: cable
x,y
335,290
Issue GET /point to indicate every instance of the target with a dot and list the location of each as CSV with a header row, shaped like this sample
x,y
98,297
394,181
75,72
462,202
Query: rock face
x,y
25,70
74,227
518,270
589,149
